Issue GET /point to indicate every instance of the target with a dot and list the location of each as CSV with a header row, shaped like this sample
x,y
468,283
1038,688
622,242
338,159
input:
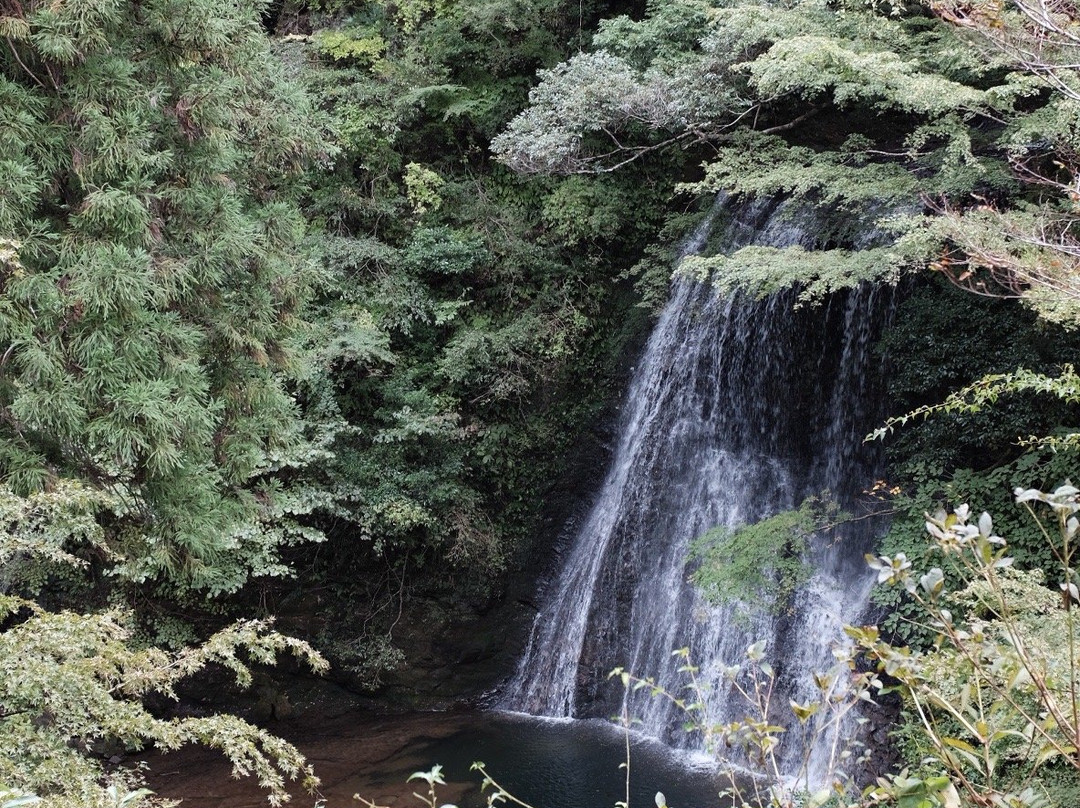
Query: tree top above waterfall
x,y
959,117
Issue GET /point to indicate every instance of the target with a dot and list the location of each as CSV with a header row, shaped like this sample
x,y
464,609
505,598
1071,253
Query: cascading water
x,y
738,409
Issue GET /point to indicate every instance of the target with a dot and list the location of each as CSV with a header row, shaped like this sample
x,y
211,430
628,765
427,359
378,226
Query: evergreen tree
x,y
861,109
150,288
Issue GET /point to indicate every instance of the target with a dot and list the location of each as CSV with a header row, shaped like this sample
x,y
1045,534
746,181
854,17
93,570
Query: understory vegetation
x,y
306,305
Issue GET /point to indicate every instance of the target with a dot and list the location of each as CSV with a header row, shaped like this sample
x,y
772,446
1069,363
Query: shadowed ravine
x,y
738,408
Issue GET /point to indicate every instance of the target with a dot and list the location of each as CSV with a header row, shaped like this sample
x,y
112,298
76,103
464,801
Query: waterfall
x,y
738,409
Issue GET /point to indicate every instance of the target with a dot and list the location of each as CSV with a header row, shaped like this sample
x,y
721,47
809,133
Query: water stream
x,y
738,408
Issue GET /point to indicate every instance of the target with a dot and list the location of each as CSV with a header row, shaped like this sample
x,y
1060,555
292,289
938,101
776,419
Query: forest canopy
x,y
957,137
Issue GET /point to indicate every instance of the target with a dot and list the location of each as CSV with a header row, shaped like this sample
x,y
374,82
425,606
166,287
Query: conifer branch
x,y
22,64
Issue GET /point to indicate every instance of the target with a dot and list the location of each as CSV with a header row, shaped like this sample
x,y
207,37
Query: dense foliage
x,y
151,279
764,562
331,307
863,108
471,321
252,299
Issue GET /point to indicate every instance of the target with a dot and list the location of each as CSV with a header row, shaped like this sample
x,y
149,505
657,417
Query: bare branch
x,y
784,127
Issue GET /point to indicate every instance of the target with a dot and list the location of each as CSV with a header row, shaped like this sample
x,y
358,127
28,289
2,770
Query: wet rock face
x,y
272,702
449,659
881,717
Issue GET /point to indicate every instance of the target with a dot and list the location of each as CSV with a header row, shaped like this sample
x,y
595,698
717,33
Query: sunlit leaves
x,y
69,680
1001,676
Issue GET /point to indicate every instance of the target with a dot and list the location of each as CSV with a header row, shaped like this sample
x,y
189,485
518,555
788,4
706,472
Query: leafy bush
x,y
995,699
72,684
763,563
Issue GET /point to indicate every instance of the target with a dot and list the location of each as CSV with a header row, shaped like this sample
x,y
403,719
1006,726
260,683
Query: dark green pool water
x,y
572,764
546,763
